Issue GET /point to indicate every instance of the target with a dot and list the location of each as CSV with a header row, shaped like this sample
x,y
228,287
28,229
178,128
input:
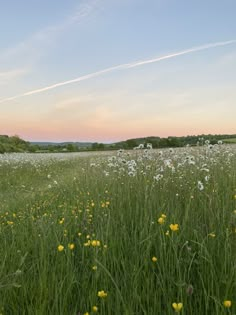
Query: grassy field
x,y
231,140
131,233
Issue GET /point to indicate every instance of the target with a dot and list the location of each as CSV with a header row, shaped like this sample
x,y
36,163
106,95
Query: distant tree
x,y
101,146
2,149
94,146
174,142
71,147
131,143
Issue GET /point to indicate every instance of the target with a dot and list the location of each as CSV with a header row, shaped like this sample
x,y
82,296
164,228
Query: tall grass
x,y
117,202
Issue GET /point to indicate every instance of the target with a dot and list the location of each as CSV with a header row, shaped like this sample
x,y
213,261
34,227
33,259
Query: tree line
x,y
16,144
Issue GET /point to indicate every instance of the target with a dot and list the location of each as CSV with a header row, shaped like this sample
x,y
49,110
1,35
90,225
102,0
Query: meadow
x,y
232,140
129,232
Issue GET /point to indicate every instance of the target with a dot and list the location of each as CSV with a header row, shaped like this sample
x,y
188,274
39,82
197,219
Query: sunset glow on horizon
x,y
105,71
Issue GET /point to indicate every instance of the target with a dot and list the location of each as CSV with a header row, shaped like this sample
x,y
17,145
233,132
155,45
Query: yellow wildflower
x,y
94,308
161,220
212,235
87,313
95,243
102,294
177,306
163,216
87,243
174,227
60,248
71,246
227,303
154,259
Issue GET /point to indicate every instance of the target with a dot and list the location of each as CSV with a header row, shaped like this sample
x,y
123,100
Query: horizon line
x,y
138,137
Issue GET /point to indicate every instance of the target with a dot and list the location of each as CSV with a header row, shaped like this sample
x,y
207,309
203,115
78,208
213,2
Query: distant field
x,y
145,232
233,140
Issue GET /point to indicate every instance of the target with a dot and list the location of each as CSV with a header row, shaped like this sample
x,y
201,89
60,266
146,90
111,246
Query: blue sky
x,y
45,42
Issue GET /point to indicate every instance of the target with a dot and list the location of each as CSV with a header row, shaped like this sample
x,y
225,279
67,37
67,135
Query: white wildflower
x,y
200,185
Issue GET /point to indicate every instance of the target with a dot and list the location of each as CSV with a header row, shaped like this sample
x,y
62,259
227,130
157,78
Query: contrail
x,y
120,67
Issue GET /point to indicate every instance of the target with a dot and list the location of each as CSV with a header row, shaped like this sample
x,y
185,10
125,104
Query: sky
x,y
110,70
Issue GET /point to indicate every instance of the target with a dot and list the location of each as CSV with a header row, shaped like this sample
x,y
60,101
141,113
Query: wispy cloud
x,y
121,67
34,46
7,76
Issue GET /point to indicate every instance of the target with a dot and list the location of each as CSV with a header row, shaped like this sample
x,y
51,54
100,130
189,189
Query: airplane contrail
x,y
119,67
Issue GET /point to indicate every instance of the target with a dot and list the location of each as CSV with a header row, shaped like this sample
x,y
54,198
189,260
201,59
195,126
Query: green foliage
x,y
13,144
229,140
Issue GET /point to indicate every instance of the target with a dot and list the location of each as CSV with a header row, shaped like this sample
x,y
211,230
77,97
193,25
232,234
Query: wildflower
x,y
94,268
158,177
87,313
102,294
94,308
227,303
207,178
174,227
212,235
200,185
71,246
167,232
177,306
105,246
163,216
161,220
87,243
154,259
95,243
60,248
79,234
